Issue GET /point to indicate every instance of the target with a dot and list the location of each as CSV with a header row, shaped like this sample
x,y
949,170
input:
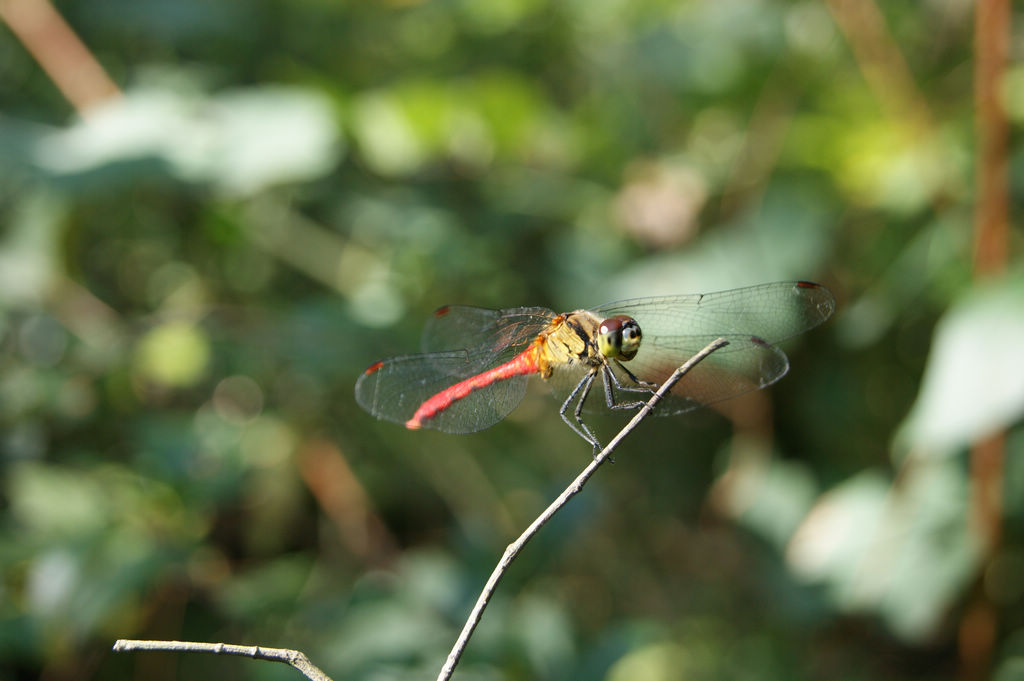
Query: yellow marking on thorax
x,y
560,344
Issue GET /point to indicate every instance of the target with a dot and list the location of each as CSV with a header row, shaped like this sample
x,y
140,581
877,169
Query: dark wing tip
x,y
442,311
757,340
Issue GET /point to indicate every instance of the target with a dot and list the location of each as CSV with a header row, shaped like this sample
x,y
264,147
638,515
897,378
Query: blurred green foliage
x,y
193,275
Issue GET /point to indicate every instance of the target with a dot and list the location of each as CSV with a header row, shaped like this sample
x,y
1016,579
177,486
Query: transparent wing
x,y
745,365
772,312
481,330
677,327
394,389
487,337
458,342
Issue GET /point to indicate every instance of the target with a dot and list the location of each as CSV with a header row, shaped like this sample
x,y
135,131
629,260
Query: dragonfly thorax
x,y
581,337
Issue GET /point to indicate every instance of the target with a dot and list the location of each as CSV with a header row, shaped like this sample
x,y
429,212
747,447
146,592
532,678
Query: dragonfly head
x,y
619,337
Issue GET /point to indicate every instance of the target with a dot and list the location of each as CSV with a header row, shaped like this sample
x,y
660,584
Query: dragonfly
x,y
475,362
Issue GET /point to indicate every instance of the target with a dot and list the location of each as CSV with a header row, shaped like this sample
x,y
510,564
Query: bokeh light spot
x,y
175,355
238,399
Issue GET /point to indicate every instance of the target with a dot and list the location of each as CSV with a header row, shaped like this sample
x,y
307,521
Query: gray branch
x,y
291,657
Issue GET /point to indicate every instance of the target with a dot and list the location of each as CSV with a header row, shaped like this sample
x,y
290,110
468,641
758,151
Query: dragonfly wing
x,y
745,365
484,333
394,389
772,312
748,363
677,327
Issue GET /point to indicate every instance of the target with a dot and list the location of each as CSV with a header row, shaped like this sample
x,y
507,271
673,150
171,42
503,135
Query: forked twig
x,y
515,547
291,657
310,671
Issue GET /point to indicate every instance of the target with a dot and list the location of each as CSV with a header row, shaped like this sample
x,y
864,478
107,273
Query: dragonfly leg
x,y
581,391
609,379
641,386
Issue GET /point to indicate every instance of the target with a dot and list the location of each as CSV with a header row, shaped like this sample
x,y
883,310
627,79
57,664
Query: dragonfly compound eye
x,y
619,337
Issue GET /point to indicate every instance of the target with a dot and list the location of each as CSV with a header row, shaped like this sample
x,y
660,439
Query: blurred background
x,y
214,216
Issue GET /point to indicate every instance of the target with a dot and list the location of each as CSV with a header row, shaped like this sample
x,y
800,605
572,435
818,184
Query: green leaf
x,y
974,380
240,142
902,553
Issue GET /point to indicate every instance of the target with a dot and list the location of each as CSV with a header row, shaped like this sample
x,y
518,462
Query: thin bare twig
x,y
992,26
515,547
291,657
881,62
57,48
992,244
